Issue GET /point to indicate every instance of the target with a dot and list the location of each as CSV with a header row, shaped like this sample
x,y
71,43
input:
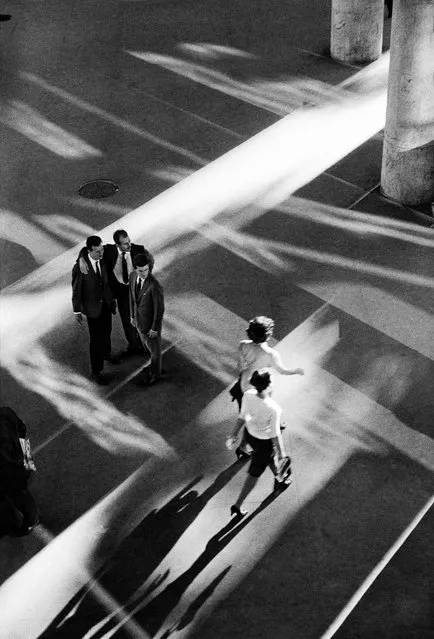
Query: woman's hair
x,y
261,379
260,329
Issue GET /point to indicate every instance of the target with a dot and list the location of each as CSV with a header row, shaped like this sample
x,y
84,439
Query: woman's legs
x,y
261,458
248,486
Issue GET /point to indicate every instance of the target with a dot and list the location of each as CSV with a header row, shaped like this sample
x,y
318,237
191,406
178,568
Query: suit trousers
x,y
123,299
153,346
100,329
17,510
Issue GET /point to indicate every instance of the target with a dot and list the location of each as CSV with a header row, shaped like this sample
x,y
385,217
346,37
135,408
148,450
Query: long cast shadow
x,y
137,557
152,615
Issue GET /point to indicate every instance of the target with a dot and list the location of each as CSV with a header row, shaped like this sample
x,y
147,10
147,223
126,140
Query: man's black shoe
x,y
4,17
99,379
151,380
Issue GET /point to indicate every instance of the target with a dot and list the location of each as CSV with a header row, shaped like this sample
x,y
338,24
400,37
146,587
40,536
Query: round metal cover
x,y
98,188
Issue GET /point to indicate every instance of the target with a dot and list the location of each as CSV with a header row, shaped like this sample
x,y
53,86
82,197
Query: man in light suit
x,y
92,296
147,310
118,258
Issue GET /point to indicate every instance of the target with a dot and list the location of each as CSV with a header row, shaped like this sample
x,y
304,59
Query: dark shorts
x,y
263,454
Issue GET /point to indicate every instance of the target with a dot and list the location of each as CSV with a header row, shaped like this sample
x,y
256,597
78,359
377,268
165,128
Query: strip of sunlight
x,y
386,312
78,401
363,589
108,117
286,95
17,229
65,226
22,118
274,254
358,223
376,307
214,51
69,560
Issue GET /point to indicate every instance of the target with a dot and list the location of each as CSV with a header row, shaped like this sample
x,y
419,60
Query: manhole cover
x,y
98,188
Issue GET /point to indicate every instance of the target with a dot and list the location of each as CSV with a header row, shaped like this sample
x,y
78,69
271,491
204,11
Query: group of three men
x,y
118,275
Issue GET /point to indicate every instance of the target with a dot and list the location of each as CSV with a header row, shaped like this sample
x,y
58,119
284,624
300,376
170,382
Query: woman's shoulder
x,y
271,403
244,345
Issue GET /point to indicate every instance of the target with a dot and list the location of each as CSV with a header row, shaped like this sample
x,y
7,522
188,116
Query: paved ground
x,y
289,224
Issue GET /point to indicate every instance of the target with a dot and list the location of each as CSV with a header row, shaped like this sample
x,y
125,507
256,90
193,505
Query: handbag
x,y
28,460
235,391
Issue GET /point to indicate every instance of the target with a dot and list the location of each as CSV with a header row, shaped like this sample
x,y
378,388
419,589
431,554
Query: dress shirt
x,y
118,266
94,263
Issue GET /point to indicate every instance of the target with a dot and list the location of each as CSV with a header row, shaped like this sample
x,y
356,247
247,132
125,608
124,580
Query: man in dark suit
x,y
18,510
118,260
147,310
92,296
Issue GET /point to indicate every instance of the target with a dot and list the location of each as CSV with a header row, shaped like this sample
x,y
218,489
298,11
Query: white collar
x,y
94,262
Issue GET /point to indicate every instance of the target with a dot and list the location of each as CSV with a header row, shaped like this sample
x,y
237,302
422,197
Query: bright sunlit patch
x,y
22,118
16,228
211,51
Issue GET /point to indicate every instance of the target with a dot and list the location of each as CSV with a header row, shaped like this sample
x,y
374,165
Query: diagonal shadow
x,y
152,615
137,557
194,607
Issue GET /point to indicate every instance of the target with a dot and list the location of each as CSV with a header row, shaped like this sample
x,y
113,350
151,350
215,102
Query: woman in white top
x,y
253,354
261,417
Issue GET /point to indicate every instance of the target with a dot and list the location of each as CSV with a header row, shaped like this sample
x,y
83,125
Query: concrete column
x,y
408,154
357,30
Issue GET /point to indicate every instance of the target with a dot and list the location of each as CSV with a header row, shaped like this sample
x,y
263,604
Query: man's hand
x,y
82,264
152,334
79,318
133,322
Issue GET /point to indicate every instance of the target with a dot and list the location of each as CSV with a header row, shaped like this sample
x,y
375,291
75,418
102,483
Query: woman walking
x,y
260,415
255,353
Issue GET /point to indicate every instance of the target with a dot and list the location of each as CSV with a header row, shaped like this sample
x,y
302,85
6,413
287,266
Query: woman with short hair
x,y
260,415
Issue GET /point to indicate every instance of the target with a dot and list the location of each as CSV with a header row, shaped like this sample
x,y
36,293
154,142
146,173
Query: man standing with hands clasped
x,y
93,297
147,310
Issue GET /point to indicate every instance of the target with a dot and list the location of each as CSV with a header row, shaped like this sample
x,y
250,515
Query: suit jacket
x,y
13,474
88,293
148,309
109,259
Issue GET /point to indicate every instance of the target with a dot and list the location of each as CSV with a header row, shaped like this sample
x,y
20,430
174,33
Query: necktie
x,y
98,271
138,286
124,268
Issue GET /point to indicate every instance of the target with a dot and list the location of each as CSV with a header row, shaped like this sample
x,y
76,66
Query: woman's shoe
x,y
280,486
242,454
239,512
